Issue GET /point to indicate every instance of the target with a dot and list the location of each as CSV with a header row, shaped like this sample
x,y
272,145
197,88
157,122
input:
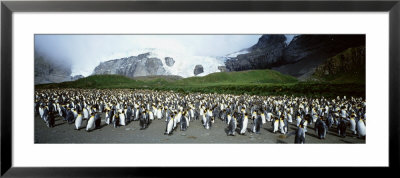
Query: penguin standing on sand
x,y
300,137
353,124
128,114
170,125
208,122
45,115
109,116
289,118
78,121
282,125
90,124
166,114
329,121
203,118
232,127
143,121
70,116
97,120
263,119
228,118
306,121
51,119
342,127
243,124
122,117
115,120
41,111
136,114
151,115
183,123
298,120
187,117
320,128
361,129
275,124
285,125
159,113
192,117
257,124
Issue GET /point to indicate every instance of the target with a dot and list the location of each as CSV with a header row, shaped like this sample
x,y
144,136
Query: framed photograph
x,y
103,88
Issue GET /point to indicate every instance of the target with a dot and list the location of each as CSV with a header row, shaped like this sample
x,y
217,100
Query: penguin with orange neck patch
x,y
243,124
361,128
353,123
257,123
170,125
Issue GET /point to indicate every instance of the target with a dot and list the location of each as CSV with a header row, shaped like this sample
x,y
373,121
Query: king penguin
x,y
232,126
90,124
275,124
170,125
282,125
361,129
115,120
263,120
78,121
257,124
243,125
342,127
122,120
353,124
320,128
85,113
300,137
183,123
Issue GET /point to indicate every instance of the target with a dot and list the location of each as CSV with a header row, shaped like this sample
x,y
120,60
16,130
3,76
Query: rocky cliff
x,y
266,53
348,65
141,65
198,69
300,58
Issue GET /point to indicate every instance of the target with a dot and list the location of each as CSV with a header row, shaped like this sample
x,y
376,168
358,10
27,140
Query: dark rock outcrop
x,y
300,57
222,68
133,66
306,52
347,65
169,61
198,69
76,77
266,53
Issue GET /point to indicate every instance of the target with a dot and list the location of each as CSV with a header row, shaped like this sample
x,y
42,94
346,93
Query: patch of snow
x,y
235,54
184,62
289,38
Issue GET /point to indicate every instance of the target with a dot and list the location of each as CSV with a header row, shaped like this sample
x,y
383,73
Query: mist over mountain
x,y
61,58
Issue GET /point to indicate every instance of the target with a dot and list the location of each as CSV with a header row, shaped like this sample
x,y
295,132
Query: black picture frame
x,y
8,7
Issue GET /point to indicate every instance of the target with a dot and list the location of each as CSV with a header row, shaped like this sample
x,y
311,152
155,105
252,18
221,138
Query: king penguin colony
x,y
84,109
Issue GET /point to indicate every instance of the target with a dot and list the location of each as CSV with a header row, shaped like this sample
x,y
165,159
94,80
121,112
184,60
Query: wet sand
x,y
196,133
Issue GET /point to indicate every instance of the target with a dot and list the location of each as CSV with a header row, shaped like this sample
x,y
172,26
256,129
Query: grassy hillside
x,y
255,82
220,78
242,77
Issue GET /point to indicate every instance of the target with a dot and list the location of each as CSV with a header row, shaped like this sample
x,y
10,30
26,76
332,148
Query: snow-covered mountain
x,y
142,62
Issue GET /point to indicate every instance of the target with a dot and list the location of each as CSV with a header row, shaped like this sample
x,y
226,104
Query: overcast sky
x,y
84,52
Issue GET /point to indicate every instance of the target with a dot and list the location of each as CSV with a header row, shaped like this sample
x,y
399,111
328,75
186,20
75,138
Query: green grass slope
x,y
254,82
241,77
